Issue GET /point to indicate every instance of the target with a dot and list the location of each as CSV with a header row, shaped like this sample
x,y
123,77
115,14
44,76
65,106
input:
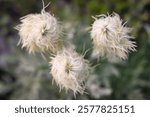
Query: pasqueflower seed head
x,y
111,37
40,33
70,70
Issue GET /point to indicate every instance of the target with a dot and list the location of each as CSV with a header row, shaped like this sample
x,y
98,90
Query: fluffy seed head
x,y
40,32
70,70
111,37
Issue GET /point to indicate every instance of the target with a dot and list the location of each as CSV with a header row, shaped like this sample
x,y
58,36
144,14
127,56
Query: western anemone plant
x,y
43,33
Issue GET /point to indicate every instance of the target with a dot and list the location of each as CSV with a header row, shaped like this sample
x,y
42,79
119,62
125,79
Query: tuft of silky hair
x,y
70,70
40,33
111,37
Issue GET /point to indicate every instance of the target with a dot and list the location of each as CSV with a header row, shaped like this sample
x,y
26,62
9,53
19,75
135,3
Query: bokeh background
x,y
26,76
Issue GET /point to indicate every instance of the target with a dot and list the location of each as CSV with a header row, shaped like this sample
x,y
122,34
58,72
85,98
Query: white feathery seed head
x,y
40,32
70,70
111,37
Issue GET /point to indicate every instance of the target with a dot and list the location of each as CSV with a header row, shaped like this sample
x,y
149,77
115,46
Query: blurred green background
x,y
24,76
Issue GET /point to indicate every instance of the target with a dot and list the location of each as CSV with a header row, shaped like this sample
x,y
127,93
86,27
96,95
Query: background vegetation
x,y
24,76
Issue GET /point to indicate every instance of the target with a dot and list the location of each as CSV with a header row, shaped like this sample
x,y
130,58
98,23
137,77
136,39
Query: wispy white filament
x,y
111,37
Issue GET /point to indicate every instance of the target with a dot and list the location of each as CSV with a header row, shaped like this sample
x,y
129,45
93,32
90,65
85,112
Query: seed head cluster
x,y
42,33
